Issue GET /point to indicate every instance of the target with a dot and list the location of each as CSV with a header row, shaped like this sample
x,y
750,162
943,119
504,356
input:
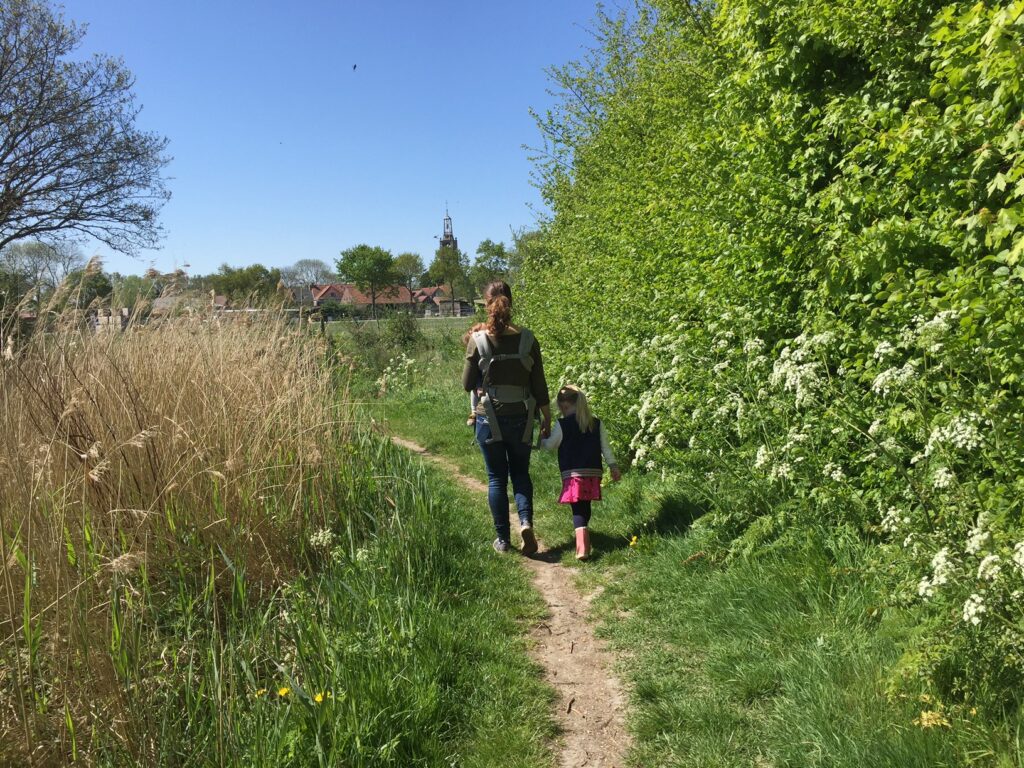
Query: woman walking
x,y
504,366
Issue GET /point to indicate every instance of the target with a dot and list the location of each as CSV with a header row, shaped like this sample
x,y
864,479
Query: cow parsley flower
x,y
942,568
942,479
834,472
973,608
976,539
1018,556
762,458
988,569
883,351
962,434
892,379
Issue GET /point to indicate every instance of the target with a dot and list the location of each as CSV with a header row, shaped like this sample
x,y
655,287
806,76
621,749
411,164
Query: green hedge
x,y
785,254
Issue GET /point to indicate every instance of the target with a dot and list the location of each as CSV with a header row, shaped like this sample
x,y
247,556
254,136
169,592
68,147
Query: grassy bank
x,y
205,561
782,657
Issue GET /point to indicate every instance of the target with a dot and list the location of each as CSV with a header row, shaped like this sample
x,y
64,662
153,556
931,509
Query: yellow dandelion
x,y
282,692
633,541
319,698
260,692
931,719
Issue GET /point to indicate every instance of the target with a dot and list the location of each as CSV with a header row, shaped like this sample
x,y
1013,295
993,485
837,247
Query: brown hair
x,y
574,396
498,298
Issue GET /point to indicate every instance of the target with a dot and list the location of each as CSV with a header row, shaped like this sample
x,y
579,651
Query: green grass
x,y
784,659
413,637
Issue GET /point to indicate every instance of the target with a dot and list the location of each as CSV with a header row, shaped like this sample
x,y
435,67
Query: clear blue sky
x,y
282,151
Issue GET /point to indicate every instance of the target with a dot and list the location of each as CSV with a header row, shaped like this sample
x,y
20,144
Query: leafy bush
x,y
785,251
402,331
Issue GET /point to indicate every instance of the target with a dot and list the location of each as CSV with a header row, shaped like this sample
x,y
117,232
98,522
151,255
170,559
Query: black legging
x,y
580,514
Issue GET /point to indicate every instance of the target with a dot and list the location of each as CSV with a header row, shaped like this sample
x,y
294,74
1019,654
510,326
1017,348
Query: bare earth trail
x,y
590,704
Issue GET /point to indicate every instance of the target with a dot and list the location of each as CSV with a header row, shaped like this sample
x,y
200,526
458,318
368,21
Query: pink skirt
x,y
580,489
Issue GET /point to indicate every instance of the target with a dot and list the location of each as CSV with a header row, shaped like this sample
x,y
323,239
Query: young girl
x,y
474,396
581,441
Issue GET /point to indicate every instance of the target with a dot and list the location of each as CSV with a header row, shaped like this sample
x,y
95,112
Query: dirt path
x,y
590,703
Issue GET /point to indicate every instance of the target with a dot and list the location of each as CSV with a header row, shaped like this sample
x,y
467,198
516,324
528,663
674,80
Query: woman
x,y
504,365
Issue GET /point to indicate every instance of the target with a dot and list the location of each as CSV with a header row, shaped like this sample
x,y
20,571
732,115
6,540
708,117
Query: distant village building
x,y
347,294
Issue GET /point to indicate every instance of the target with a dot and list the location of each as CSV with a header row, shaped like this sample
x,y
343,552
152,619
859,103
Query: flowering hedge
x,y
785,261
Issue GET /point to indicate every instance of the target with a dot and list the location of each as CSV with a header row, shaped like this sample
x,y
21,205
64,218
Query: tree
x,y
247,284
71,157
35,267
132,290
449,267
370,268
409,268
88,285
492,263
305,272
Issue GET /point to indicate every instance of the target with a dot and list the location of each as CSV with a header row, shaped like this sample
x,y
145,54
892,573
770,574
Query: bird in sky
x,y
354,67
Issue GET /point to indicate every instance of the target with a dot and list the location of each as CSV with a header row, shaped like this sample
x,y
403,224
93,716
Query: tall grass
x,y
138,471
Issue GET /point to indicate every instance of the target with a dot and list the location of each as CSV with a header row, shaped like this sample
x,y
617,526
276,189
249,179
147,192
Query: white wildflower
x,y
834,472
894,378
1018,556
942,478
875,428
719,367
962,434
322,539
753,346
782,471
989,568
976,539
883,351
973,608
762,458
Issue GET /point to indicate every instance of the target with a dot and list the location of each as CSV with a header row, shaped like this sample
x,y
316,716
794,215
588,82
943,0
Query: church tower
x,y
448,239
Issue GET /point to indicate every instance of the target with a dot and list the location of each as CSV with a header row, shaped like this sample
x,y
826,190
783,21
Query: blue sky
x,y
282,151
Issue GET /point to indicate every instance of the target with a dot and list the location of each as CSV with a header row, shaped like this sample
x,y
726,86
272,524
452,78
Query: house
x,y
425,296
348,295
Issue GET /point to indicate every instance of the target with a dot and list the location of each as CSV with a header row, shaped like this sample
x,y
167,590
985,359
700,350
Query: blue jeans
x,y
505,459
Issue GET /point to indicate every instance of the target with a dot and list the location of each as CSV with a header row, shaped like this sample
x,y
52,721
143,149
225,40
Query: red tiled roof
x,y
346,293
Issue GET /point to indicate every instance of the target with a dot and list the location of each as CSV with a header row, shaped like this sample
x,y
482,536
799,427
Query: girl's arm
x,y
609,457
551,443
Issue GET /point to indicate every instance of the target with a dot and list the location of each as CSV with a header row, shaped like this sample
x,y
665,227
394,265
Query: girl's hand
x,y
616,474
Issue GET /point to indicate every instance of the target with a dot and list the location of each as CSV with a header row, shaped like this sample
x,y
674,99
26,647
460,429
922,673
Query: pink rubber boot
x,y
582,543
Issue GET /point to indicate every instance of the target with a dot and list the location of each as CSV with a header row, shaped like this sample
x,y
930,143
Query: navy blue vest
x,y
579,454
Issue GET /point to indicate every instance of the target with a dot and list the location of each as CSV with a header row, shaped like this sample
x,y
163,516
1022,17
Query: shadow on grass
x,y
676,514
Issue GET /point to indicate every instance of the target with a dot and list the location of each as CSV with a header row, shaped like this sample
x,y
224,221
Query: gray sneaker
x,y
529,540
501,546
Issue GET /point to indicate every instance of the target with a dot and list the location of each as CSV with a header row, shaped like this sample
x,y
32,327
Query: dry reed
x,y
185,449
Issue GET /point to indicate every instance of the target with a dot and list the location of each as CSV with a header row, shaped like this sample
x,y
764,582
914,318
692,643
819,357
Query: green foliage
x,y
785,252
402,331
370,268
243,284
408,268
450,268
492,263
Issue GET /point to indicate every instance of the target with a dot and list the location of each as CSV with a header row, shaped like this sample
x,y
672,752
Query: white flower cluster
x,y
763,457
893,379
397,374
834,472
884,351
963,433
977,538
795,375
989,568
322,539
893,518
942,478
942,569
973,608
1018,556
929,334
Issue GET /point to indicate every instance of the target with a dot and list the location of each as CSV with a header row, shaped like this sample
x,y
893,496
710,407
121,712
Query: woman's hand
x,y
616,474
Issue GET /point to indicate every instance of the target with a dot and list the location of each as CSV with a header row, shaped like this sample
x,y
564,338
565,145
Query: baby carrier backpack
x,y
496,394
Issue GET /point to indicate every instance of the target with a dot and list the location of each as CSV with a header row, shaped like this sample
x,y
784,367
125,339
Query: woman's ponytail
x,y
498,299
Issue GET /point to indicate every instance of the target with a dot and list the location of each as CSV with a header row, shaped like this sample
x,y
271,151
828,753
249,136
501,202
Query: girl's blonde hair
x,y
570,393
